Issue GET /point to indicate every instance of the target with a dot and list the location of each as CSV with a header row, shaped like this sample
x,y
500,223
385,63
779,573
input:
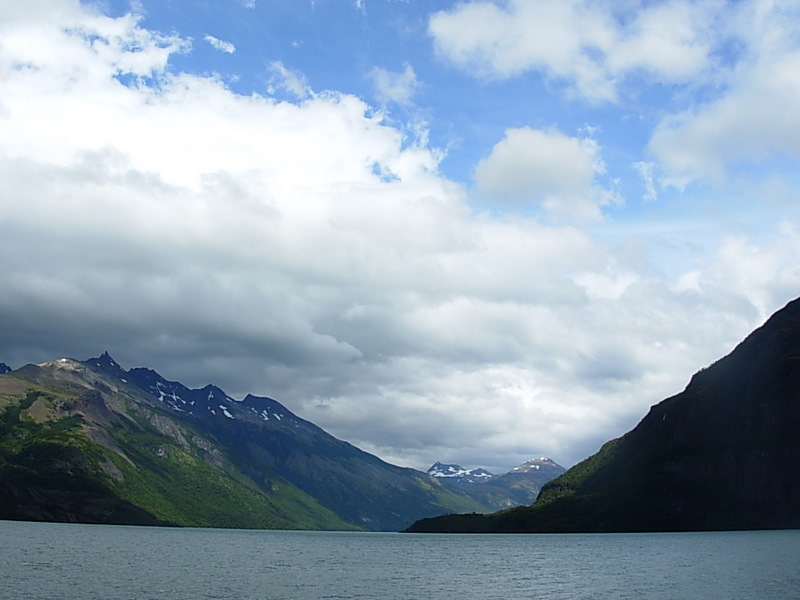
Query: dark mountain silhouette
x,y
721,455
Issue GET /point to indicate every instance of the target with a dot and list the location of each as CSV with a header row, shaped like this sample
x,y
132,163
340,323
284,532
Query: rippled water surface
x,y
88,562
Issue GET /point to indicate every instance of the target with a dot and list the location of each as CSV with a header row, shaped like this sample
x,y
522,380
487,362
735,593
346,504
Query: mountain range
x,y
92,442
721,455
520,486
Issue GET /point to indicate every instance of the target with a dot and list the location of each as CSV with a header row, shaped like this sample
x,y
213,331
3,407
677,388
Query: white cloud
x,y
399,88
220,45
730,67
98,45
645,169
287,80
670,41
760,272
754,121
255,244
360,5
589,45
544,167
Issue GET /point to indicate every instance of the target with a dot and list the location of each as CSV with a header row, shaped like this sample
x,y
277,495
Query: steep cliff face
x,y
722,454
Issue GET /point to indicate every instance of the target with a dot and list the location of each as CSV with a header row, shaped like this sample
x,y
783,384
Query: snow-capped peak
x,y
451,471
536,464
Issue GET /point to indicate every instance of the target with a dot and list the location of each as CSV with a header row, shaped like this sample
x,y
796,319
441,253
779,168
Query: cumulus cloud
x,y
544,167
256,243
753,121
743,56
747,118
590,46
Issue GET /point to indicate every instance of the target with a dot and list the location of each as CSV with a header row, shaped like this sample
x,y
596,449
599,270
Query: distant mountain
x,y
4,368
92,442
457,474
520,486
523,483
538,466
721,455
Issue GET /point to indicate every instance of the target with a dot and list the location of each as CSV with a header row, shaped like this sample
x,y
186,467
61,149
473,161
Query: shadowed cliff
x,y
721,455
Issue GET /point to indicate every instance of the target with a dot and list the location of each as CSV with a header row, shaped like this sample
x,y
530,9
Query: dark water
x,y
87,562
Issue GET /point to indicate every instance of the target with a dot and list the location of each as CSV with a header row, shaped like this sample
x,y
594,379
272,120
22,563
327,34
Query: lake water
x,y
100,562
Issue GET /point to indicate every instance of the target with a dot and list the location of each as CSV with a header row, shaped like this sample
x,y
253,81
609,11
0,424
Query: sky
x,y
474,232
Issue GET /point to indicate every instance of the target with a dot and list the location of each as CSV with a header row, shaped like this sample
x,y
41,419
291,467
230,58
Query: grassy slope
x,y
139,458
50,468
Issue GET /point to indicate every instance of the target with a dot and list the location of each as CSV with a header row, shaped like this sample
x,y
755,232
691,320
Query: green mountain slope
x,y
73,454
85,442
721,455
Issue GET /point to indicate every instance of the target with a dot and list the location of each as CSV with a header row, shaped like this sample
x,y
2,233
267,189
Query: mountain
x,y
523,483
92,442
457,474
520,486
721,455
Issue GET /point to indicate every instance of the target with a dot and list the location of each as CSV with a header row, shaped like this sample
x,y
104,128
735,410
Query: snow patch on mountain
x,y
451,471
536,464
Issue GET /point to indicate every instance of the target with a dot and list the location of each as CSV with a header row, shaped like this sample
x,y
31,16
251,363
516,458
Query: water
x,y
99,562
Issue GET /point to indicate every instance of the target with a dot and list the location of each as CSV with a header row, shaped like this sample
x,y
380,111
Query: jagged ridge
x,y
149,450
520,486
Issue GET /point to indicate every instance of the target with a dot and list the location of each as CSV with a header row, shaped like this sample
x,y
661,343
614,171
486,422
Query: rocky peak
x,y
537,464
107,365
457,472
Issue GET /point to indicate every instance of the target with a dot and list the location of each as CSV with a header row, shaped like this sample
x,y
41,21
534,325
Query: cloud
x,y
258,244
100,45
749,120
589,46
544,167
751,123
359,5
760,271
220,45
645,169
395,87
730,69
287,80
669,41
